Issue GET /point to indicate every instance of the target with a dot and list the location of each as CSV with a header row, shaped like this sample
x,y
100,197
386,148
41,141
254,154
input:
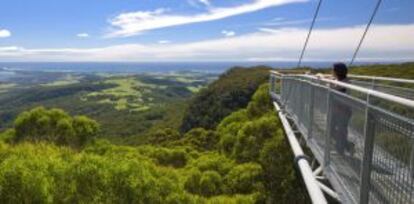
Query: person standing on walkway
x,y
341,112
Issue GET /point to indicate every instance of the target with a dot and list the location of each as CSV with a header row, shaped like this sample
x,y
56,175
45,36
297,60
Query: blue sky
x,y
200,30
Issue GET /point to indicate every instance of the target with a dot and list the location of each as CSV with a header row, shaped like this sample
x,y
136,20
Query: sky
x,y
202,30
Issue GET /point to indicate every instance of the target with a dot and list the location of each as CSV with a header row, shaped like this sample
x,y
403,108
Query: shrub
x,y
54,125
213,162
175,157
245,178
192,182
201,139
261,102
210,183
252,136
161,137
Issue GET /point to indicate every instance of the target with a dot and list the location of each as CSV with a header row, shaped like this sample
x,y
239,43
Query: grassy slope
x,y
124,105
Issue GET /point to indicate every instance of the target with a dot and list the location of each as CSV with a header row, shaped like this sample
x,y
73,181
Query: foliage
x,y
232,91
162,136
253,135
201,139
213,162
175,157
103,173
40,124
261,102
241,178
210,183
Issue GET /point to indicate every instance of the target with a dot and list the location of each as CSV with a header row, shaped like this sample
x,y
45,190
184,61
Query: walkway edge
x,y
310,181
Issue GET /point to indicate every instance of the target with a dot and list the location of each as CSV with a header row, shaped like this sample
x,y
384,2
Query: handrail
x,y
357,76
276,73
393,98
377,78
312,185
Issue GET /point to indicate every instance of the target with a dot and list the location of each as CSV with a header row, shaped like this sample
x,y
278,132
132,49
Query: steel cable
x,y
366,31
309,33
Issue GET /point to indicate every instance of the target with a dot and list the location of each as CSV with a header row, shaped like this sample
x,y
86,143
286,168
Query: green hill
x,y
230,92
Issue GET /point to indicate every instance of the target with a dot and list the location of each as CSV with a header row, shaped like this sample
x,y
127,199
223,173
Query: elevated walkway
x,y
362,140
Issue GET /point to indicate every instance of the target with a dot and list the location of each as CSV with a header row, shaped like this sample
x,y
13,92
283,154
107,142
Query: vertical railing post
x,y
327,154
271,78
369,134
283,91
310,114
373,83
272,91
304,98
280,85
412,155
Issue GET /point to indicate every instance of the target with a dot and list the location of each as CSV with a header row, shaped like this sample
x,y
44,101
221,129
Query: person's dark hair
x,y
341,70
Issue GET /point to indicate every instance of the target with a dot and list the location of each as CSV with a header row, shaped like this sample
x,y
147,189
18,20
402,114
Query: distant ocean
x,y
119,67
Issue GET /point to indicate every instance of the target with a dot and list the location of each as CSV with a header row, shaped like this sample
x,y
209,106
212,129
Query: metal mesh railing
x,y
364,142
399,89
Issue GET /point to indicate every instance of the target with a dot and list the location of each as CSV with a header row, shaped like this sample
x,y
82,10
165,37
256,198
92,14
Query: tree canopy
x,y
232,91
54,125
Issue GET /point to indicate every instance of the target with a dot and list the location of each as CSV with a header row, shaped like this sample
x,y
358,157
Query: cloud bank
x,y
134,23
266,44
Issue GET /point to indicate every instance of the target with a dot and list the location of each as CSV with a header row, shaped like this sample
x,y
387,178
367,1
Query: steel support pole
x,y
369,134
312,185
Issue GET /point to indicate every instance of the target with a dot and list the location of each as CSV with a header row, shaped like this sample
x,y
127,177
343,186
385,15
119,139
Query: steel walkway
x,y
362,139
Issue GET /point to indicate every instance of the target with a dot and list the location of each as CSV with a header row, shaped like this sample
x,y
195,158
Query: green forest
x,y
215,141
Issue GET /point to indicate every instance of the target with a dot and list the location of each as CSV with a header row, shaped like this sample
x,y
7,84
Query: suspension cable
x,y
366,31
309,33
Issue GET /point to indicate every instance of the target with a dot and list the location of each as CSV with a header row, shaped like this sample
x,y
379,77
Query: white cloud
x,y
205,2
83,35
164,42
284,44
199,3
291,22
4,33
284,22
228,33
134,23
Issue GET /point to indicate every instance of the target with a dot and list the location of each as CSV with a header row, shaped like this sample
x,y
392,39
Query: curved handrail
x,y
389,97
377,78
367,77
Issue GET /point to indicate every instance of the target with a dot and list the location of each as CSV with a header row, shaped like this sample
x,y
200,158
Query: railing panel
x,y
392,175
347,141
319,119
366,146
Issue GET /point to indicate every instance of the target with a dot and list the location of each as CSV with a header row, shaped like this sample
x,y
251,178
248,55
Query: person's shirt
x,y
340,88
